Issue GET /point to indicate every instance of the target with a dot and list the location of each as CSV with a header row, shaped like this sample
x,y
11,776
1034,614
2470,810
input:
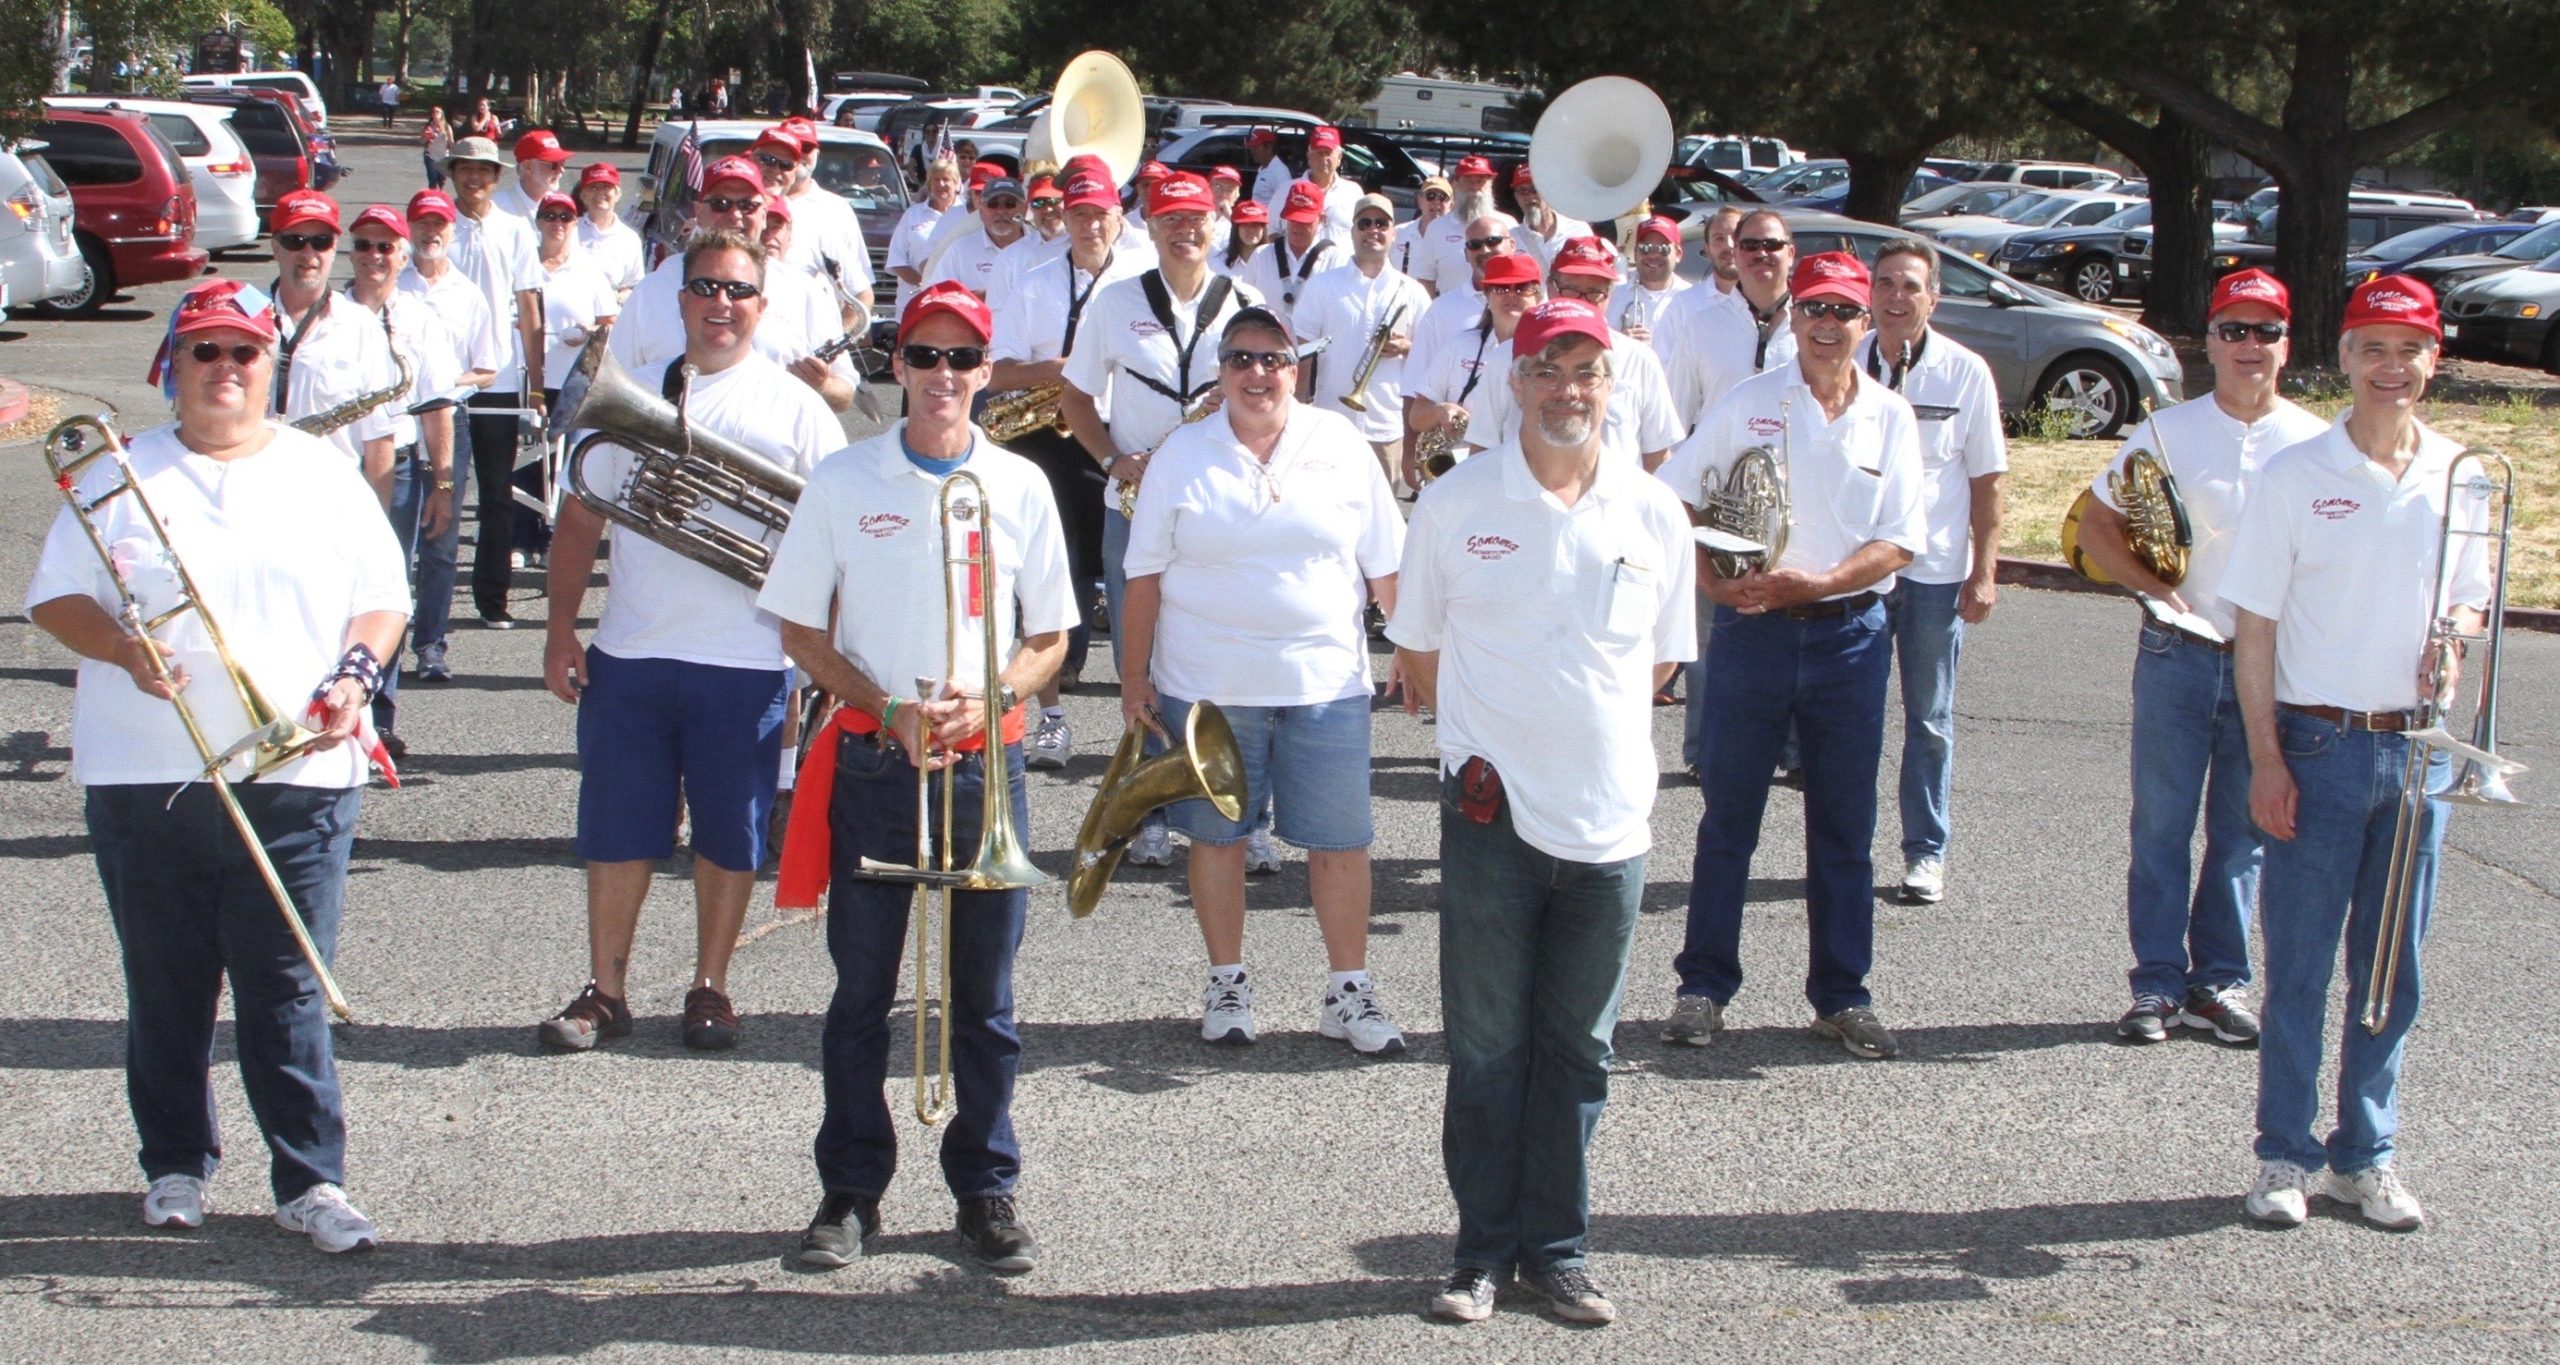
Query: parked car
x,y
306,95
2043,349
2508,316
38,259
276,145
325,168
2444,272
1437,150
134,212
1369,157
865,107
1190,116
2369,222
1734,155
2435,241
2060,209
1969,197
1834,199
218,162
1955,168
2053,175
1802,178
852,163
2081,261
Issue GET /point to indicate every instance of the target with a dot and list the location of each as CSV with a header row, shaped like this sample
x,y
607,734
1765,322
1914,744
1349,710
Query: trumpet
x,y
1370,360
273,740
354,409
1001,864
1017,413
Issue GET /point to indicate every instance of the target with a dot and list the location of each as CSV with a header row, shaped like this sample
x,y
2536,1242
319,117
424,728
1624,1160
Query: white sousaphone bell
x,y
1600,148
1095,109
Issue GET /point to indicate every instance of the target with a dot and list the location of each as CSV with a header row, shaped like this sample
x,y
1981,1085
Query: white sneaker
x,y
2377,1191
1226,1011
333,1224
2281,1195
1924,880
1152,848
175,1201
1051,743
1260,854
1352,1015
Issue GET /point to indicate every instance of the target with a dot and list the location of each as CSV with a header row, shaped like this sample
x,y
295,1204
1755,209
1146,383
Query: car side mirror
x,y
2005,296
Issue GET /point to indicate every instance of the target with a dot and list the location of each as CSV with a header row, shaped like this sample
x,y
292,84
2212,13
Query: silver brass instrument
x,y
1436,451
1017,413
273,739
1001,864
1370,360
1743,522
2480,779
354,409
677,475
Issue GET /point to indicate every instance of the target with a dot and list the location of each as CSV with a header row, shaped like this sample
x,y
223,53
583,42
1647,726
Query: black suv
x,y
1369,157
2366,225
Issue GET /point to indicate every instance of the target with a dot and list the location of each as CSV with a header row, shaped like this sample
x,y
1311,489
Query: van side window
x,y
89,154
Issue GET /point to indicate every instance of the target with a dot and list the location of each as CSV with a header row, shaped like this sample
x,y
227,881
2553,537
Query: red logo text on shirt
x,y
1491,547
1146,327
1765,426
2335,509
882,525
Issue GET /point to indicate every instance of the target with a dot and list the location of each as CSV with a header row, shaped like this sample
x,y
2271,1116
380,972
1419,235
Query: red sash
x,y
808,844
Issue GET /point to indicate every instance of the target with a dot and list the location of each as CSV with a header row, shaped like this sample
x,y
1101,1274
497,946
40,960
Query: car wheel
x,y
2093,391
2093,279
97,281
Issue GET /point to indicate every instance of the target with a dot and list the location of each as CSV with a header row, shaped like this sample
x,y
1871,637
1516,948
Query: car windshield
x,y
2016,210
1942,200
2037,214
2533,246
2138,215
859,171
2417,241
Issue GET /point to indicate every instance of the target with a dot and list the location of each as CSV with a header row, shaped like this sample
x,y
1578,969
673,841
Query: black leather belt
x,y
1837,606
2380,722
2200,642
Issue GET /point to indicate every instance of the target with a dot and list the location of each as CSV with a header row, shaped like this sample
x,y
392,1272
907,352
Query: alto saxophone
x,y
1018,413
330,419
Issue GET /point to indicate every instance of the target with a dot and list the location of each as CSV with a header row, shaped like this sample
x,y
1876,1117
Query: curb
x,y
14,401
2042,573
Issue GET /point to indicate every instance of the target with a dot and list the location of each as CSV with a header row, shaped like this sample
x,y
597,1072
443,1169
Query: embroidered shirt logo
x,y
1146,327
2335,509
882,525
1489,548
1765,426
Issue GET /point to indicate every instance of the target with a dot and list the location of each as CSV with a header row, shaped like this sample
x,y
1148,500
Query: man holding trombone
x,y
910,558
2359,575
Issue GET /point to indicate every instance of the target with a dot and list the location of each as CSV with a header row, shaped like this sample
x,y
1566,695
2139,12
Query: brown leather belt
x,y
2380,722
1837,606
2200,642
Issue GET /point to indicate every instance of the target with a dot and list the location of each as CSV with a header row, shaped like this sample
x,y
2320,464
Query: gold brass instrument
x,y
2156,528
1207,767
1744,518
273,739
354,409
678,473
1600,149
1017,413
1001,864
1199,410
2481,777
1436,450
1370,360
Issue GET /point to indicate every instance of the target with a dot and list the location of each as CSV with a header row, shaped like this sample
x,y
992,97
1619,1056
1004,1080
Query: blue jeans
x,y
2324,882
1927,637
1533,962
435,171
1115,573
2189,752
873,812
189,910
1694,677
1826,677
433,568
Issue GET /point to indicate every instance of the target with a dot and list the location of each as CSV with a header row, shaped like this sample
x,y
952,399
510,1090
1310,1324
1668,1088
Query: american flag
x,y
688,166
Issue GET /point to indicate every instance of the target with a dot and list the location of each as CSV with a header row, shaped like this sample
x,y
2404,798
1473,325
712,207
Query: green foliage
x,y
1323,56
952,43
26,67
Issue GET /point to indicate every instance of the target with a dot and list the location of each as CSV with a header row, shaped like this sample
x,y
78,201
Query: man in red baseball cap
x,y
2190,934
1641,424
826,234
1340,197
1799,641
1541,229
327,355
539,157
870,527
1278,273
1642,301
1719,339
1444,263
1271,174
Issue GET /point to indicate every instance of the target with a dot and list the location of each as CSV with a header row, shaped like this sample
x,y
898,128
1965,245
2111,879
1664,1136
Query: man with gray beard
x,y
1442,262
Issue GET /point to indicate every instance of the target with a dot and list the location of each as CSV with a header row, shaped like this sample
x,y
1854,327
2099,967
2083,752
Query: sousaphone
x,y
1601,148
1095,109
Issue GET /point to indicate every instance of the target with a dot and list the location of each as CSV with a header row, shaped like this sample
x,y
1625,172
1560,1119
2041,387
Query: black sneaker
x,y
993,1230
1572,1295
2222,1009
832,1240
1466,1296
1860,1032
590,1019
395,746
2148,1020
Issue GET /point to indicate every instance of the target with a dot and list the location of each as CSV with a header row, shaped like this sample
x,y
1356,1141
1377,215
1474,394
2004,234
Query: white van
x,y
1406,100
218,162
38,260
303,91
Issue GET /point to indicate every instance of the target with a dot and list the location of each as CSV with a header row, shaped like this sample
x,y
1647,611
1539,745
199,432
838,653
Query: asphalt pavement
x,y
2017,1185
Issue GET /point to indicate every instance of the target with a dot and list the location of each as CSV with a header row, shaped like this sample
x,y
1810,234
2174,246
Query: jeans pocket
x,y
861,757
2301,736
2156,639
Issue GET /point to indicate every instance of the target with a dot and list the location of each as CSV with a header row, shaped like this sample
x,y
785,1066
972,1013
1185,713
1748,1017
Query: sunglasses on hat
x,y
2236,332
703,287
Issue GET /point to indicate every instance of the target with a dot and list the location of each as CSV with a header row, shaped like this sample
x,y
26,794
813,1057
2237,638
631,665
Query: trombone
x,y
1001,864
2481,780
273,739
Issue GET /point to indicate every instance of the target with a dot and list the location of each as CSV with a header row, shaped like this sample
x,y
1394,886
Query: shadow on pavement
x,y
1751,1053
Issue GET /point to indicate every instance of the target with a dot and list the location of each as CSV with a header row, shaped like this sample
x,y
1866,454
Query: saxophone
x,y
330,419
1207,404
1017,413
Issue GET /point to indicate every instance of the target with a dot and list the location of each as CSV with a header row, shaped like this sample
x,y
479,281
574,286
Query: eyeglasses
x,y
1591,294
703,287
1373,224
1485,243
382,246
307,241
242,353
921,357
1002,204
1557,374
1653,248
1240,361
1767,246
547,216
1843,312
2236,332
721,203
1510,289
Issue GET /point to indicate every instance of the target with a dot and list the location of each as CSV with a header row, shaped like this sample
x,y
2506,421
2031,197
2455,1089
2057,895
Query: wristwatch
x,y
444,485
1006,699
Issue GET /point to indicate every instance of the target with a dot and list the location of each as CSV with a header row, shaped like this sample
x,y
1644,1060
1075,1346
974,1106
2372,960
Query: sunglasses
x,y
1436,195
703,287
1373,224
1653,248
551,216
920,357
382,247
1510,289
1485,243
721,203
1768,246
307,241
242,353
775,163
1005,204
1843,312
1241,361
2236,332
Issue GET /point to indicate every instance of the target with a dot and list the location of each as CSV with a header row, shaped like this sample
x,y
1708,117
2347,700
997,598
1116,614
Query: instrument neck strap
x,y
1290,279
1475,372
1902,365
1076,301
289,342
1213,298
1766,325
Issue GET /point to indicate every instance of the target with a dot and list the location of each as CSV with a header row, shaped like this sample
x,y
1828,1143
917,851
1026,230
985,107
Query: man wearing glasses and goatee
x,y
682,693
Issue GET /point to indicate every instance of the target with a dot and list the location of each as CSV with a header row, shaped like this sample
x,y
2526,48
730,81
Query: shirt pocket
x,y
1855,497
1631,599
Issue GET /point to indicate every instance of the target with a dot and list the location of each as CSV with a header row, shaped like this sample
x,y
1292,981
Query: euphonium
x,y
1017,413
329,420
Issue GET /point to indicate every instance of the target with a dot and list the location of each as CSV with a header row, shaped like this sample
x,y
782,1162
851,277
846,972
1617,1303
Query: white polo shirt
x,y
1121,338
1032,326
1448,317
908,240
825,228
1461,368
1341,203
1265,567
1633,305
1345,307
1271,186
501,257
1012,263
868,531
459,304
1549,621
577,295
418,336
1716,343
287,546
615,249
1451,271
341,356
1639,418
1281,276
972,261
1542,245
1849,481
1951,391
798,318
1411,250
2341,558
664,606
2215,457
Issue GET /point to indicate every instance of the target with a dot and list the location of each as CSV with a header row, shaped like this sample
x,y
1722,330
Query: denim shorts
x,y
654,734
1308,765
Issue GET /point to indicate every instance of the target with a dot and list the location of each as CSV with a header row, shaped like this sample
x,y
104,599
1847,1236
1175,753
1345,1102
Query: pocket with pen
x,y
1630,600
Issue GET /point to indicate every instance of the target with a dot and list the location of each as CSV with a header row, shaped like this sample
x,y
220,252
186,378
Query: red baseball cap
x,y
303,206
801,130
777,210
599,173
1475,165
1044,187
217,304
1090,188
556,197
1659,226
384,217
736,168
1511,267
1327,136
1251,211
541,144
1262,137
1153,171
780,143
1225,175
983,171
1586,256
949,297
1521,176
1085,161
1830,274
2393,301
1543,325
1305,203
2251,286
1179,192
433,204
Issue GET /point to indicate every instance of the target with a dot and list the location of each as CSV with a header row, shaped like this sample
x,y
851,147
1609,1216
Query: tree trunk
x,y
534,113
2311,231
1877,178
647,73
2181,228
400,45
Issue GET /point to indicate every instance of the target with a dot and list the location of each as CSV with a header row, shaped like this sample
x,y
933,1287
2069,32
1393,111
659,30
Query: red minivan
x,y
133,205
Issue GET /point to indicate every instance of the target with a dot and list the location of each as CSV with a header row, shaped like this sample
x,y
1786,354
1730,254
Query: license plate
x,y
2123,271
2451,331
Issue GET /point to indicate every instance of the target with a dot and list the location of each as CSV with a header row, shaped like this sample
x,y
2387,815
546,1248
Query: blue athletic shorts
x,y
654,734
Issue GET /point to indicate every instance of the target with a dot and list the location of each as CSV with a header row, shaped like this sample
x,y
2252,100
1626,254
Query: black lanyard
x,y
1290,281
1902,366
1475,376
1777,311
1076,301
288,345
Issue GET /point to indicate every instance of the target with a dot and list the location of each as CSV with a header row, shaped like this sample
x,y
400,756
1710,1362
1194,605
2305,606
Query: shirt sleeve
x,y
1902,512
1043,588
1691,459
1160,500
1658,427
1421,613
69,566
1675,629
2259,574
1986,446
1381,548
377,571
800,584
1012,341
